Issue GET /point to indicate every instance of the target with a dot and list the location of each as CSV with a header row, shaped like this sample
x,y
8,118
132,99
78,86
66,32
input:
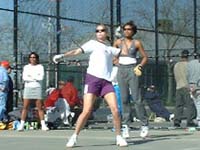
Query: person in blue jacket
x,y
3,88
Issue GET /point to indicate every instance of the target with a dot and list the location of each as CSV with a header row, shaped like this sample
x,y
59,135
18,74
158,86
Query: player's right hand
x,y
57,58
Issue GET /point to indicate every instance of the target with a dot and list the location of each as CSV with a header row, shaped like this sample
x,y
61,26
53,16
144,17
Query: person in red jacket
x,y
70,93
54,94
57,106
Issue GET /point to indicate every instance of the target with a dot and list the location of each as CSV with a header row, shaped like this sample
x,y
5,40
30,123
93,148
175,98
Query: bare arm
x,y
73,52
116,58
116,43
142,52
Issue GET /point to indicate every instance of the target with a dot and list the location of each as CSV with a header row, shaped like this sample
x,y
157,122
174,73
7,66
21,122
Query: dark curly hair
x,y
132,24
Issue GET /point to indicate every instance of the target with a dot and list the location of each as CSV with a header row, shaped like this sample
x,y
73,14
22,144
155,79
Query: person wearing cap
x,y
155,104
3,88
9,103
183,98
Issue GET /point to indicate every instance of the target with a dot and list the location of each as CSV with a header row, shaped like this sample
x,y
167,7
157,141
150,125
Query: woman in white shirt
x,y
97,81
33,75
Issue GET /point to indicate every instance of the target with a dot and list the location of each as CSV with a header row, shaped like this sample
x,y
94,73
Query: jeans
x,y
157,107
3,99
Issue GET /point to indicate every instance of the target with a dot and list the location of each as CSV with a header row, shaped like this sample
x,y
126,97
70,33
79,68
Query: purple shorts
x,y
97,86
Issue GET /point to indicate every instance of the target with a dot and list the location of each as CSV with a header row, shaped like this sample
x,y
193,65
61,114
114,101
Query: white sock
x,y
43,123
74,135
22,122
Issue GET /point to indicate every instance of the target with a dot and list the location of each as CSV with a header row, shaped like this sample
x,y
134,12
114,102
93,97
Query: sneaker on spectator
x,y
45,128
20,128
72,141
125,131
171,117
144,131
121,141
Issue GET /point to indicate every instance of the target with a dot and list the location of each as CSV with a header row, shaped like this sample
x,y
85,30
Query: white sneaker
x,y
72,141
125,131
121,141
144,131
20,128
45,128
171,117
72,114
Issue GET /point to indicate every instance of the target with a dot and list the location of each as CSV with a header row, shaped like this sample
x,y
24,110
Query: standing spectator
x,y
128,75
97,81
33,75
183,98
3,88
194,81
9,103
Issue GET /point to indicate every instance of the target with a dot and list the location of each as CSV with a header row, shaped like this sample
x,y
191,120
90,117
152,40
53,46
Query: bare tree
x,y
175,18
6,41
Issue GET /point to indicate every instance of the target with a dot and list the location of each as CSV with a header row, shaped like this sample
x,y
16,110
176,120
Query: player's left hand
x,y
138,70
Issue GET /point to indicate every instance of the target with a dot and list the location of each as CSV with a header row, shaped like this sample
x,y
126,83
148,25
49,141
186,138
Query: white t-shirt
x,y
33,75
114,75
100,61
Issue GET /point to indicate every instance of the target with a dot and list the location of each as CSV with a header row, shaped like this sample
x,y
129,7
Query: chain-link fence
x,y
165,27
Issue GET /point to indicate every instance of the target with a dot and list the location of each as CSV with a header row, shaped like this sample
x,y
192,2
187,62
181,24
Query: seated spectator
x,y
70,93
53,94
153,100
60,102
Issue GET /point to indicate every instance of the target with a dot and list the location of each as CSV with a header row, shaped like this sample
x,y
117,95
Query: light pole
x,y
15,52
49,27
58,29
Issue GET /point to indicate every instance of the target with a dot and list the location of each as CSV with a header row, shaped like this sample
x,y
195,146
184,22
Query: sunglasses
x,y
102,30
32,57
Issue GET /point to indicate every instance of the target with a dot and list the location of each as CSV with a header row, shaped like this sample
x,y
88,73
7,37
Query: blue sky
x,y
4,15
6,4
